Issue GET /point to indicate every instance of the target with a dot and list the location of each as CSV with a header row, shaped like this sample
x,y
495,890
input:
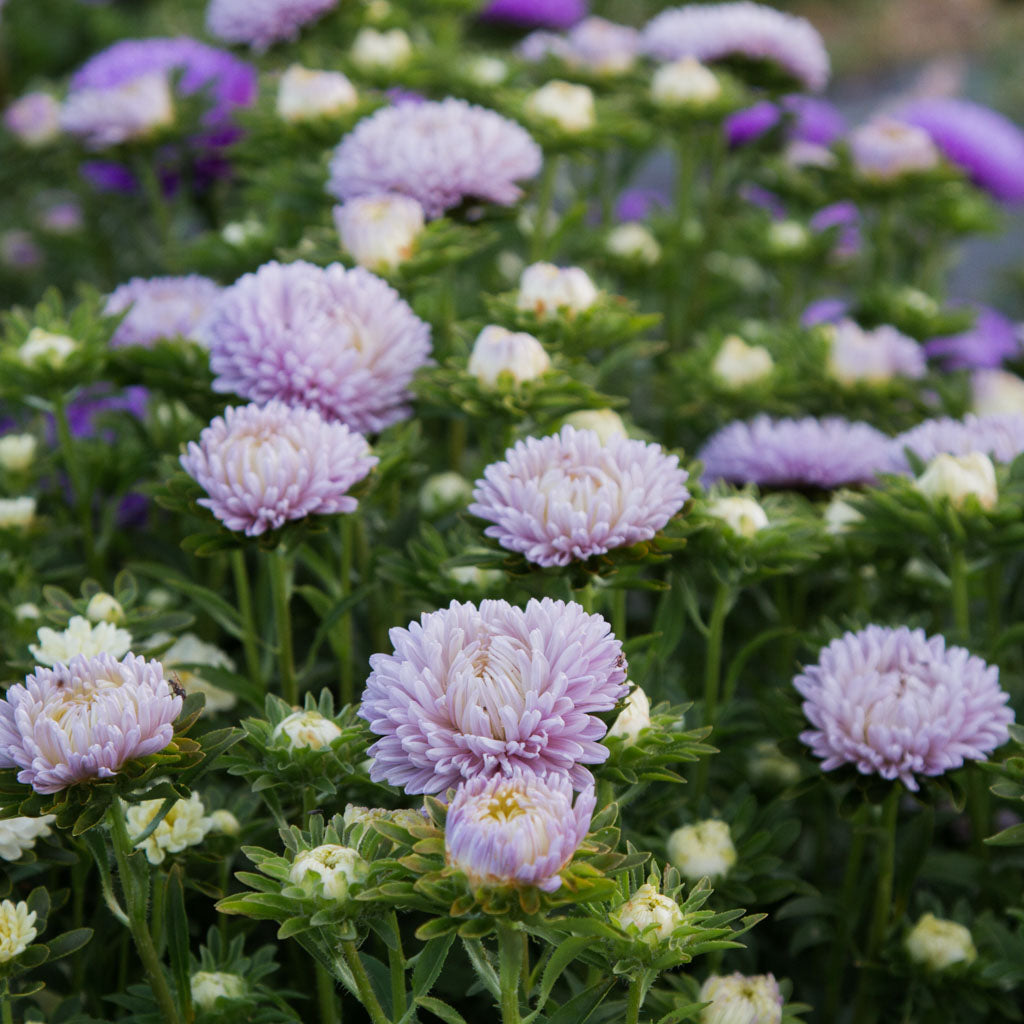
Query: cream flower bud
x,y
633,718
104,607
839,516
744,516
485,70
17,929
498,351
189,650
379,231
27,611
787,236
474,576
702,849
381,51
566,106
17,452
606,423
767,763
44,347
938,943
20,834
957,477
741,999
224,822
209,986
328,870
444,492
738,364
632,241
305,94
994,393
17,513
239,233
80,637
306,729
647,907
34,119
685,83
185,824
546,289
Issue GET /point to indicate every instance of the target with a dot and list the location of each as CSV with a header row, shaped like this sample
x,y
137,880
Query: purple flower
x,y
873,356
986,145
439,153
18,250
824,311
570,496
520,830
265,465
339,341
809,452
129,111
896,703
845,216
84,720
741,29
95,401
261,23
34,119
107,176
543,13
595,44
481,691
637,203
811,120
161,307
885,149
1001,437
986,345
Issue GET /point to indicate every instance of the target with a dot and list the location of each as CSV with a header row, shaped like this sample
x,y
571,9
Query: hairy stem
x,y
243,593
280,572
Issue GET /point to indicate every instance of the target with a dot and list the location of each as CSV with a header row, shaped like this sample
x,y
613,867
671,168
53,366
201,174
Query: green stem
x,y
510,965
619,595
344,626
979,806
457,432
545,198
73,465
635,1001
713,660
158,205
280,571
6,1003
326,996
243,592
847,914
586,596
396,962
959,577
363,986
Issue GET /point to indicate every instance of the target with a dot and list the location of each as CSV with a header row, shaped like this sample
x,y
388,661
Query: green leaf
x,y
177,940
441,1009
429,962
1012,836
69,942
581,1006
563,955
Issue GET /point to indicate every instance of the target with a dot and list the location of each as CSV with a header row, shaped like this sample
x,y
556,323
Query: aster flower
x,y
595,44
110,115
519,830
873,356
439,153
543,13
85,720
379,231
896,703
808,452
811,120
33,119
263,466
261,23
160,307
17,929
185,824
481,691
885,149
20,834
188,649
741,999
1001,437
990,341
340,341
80,637
741,29
570,496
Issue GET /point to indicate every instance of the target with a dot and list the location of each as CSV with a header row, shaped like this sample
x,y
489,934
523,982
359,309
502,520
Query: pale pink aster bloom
x,y
340,341
711,32
264,465
261,23
161,307
1000,436
439,153
34,119
595,44
896,703
572,495
517,830
885,149
109,115
481,691
85,719
874,356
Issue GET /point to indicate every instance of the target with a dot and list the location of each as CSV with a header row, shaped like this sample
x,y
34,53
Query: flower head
x,y
649,915
481,691
521,829
546,13
498,351
20,834
261,23
704,848
885,149
595,45
262,466
33,119
990,341
17,452
993,393
161,307
569,496
939,944
110,115
43,347
188,649
339,341
741,999
328,871
302,729
633,718
381,51
546,290
209,986
634,242
379,231
896,703
17,513
685,83
742,515
738,364
185,824
305,94
17,929
104,607
567,107
80,637
84,720
439,153
1001,437
873,356
606,423
958,477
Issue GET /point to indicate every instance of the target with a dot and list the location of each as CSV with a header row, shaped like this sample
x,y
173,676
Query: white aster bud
x,y
499,351
306,729
768,764
741,999
304,94
185,824
34,119
744,516
786,237
20,834
44,347
474,576
17,452
17,513
485,70
80,637
27,611
886,149
209,986
632,241
685,83
239,233
957,477
704,848
939,944
606,423
738,364
104,607
568,107
224,822
17,929
189,650
379,231
381,51
800,153
994,393
328,870
649,915
444,492
546,290
633,718
839,516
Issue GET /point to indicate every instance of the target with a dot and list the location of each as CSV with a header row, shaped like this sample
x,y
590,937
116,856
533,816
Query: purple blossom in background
x,y
824,311
84,411
261,23
475,692
161,307
107,176
595,44
34,119
987,146
845,216
1001,437
810,120
898,704
541,13
763,199
984,346
18,250
639,203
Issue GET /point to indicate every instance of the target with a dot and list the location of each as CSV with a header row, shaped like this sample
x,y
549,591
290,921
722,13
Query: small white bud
x,y
485,70
239,233
994,392
839,516
957,477
104,607
741,999
225,822
17,452
17,513
305,94
44,347
704,848
646,908
444,492
499,351
27,612
379,231
474,576
685,83
306,729
633,718
885,149
743,515
546,290
381,51
738,364
786,237
606,423
767,764
209,986
632,241
328,870
566,106
939,944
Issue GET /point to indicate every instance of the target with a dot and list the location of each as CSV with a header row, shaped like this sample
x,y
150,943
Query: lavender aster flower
x,y
1001,437
521,830
595,44
987,344
482,691
262,466
84,720
895,703
161,307
34,119
873,356
261,23
543,13
811,120
339,341
113,114
439,153
744,29
796,453
570,496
